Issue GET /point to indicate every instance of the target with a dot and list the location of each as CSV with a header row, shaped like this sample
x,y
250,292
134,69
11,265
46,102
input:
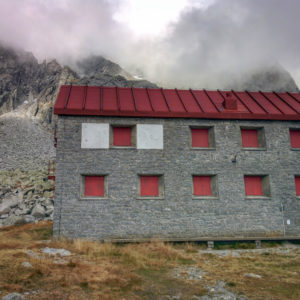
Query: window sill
x,y
205,198
254,149
203,148
122,147
93,198
294,149
257,198
150,198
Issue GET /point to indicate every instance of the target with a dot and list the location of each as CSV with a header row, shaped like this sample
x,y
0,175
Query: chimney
x,y
229,101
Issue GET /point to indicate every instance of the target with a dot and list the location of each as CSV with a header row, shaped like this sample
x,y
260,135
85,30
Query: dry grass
x,y
134,271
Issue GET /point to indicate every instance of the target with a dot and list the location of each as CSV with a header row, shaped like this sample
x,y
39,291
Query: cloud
x,y
204,47
207,48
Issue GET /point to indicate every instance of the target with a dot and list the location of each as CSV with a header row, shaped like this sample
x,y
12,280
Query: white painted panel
x,y
150,136
95,136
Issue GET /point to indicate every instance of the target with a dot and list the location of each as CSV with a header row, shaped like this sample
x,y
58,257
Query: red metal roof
x,y
173,103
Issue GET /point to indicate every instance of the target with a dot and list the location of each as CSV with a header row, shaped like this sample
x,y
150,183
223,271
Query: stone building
x,y
135,164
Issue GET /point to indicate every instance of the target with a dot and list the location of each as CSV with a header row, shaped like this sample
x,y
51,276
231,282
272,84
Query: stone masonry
x,y
178,216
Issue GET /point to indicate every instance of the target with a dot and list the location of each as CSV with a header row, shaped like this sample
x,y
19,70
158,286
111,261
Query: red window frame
x,y
250,138
200,137
94,186
253,185
202,185
295,138
122,136
297,185
149,186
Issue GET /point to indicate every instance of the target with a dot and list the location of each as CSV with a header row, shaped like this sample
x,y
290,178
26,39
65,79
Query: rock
x,y
34,254
7,204
18,220
13,296
252,275
26,264
38,211
49,202
47,194
53,251
49,211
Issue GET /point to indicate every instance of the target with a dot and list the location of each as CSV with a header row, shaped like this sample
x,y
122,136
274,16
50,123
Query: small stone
x,y
26,264
33,254
13,296
53,251
252,275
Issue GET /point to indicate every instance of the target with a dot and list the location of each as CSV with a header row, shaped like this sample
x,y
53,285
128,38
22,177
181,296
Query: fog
x,y
204,47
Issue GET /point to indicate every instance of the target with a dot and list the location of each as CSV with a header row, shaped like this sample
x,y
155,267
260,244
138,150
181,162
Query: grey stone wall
x,y
177,215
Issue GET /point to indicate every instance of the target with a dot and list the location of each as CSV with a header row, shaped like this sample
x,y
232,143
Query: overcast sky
x,y
174,42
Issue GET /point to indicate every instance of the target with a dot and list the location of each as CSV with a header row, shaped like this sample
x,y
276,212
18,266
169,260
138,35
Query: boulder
x,y
38,211
13,296
8,203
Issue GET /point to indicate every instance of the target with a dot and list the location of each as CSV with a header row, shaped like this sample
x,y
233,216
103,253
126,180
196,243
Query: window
x,y
295,138
204,186
202,137
253,138
297,185
151,186
122,136
256,186
94,186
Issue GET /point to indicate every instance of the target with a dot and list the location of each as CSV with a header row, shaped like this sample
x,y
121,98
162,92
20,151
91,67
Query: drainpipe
x,y
282,215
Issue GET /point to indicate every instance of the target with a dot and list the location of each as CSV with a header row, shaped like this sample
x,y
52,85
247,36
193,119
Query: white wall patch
x,y
150,136
95,136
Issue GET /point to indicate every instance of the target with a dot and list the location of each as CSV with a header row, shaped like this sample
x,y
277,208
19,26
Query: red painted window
x,y
149,186
297,184
250,138
202,186
295,138
253,185
94,186
200,137
122,136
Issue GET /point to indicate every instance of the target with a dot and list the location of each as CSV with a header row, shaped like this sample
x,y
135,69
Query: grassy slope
x,y
135,271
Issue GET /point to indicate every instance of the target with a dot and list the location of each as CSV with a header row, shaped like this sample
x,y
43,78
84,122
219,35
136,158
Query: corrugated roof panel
x,y
217,99
205,103
62,96
126,99
296,96
76,98
142,101
290,100
252,106
279,103
109,101
266,104
173,101
189,102
157,100
93,98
